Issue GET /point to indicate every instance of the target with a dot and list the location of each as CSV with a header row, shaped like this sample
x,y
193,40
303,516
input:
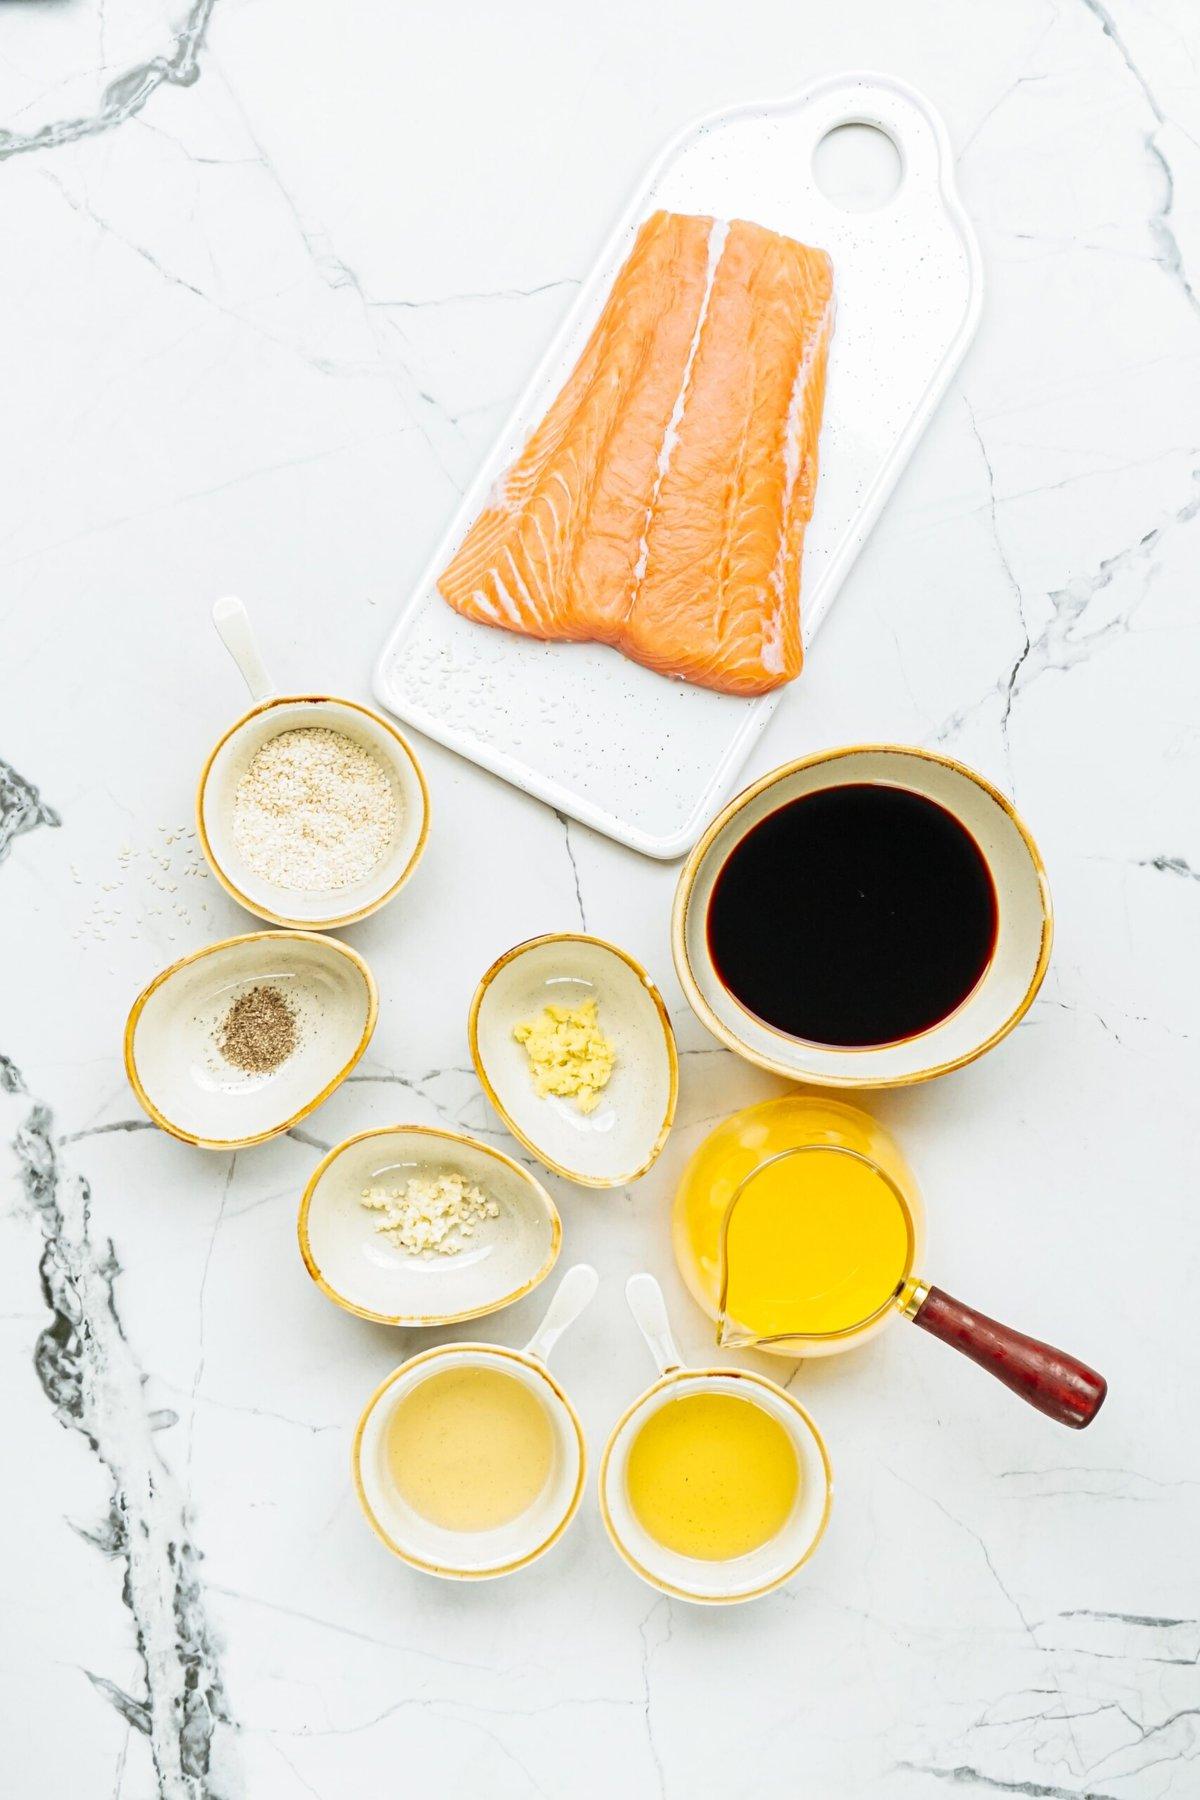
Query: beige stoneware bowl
x,y
620,1140
189,1089
364,1272
710,1583
1005,991
272,714
480,1555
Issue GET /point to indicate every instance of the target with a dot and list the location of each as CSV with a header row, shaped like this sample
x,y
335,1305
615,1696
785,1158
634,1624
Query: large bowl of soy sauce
x,y
866,917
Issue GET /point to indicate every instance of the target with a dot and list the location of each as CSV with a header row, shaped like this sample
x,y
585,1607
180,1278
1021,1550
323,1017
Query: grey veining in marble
x,y
272,279
21,808
90,1376
123,97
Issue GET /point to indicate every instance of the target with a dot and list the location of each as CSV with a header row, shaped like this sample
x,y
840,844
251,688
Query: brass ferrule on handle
x,y
913,1296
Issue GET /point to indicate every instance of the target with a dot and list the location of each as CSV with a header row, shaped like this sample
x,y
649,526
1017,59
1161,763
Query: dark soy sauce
x,y
857,915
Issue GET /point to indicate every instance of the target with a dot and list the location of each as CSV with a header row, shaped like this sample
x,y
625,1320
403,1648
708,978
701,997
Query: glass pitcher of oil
x,y
797,1226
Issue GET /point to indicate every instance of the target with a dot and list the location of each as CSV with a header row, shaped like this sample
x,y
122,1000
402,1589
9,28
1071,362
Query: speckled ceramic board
x,y
645,759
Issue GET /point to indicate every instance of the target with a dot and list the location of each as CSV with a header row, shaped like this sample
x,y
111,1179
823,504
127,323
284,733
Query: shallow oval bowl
x,y
360,1269
1004,992
187,1086
325,908
620,1140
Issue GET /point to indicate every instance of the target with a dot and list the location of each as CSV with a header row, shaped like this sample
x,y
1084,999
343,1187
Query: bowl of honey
x,y
867,917
469,1459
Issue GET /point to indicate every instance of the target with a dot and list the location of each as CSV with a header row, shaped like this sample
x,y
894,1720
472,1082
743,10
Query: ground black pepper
x,y
260,1030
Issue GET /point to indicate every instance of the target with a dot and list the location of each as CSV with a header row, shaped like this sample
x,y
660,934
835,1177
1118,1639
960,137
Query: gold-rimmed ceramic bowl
x,y
704,1581
326,908
501,1550
172,1036
272,714
366,1273
618,1141
1003,994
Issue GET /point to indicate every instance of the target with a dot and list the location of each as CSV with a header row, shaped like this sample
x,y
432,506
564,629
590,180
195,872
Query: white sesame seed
x,y
314,811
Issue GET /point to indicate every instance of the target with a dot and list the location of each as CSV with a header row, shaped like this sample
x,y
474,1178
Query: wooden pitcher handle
x,y
1057,1384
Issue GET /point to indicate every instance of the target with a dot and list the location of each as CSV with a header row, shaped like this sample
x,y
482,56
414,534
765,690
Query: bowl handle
x,y
234,629
649,1310
575,1291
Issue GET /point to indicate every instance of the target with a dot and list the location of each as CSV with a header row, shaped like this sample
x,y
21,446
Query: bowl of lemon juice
x,y
469,1460
715,1485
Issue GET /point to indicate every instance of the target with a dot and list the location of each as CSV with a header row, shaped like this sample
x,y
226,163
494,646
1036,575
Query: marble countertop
x,y
272,275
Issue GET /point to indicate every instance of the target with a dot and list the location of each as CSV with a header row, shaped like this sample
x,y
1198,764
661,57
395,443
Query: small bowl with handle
x,y
710,1583
480,1555
272,714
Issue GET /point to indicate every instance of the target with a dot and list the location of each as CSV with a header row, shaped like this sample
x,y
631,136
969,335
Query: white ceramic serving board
x,y
645,759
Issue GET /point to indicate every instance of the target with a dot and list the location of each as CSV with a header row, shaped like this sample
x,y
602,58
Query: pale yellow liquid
x,y
712,1476
471,1448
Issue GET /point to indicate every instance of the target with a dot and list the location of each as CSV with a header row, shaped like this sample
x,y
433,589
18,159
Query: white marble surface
x,y
265,300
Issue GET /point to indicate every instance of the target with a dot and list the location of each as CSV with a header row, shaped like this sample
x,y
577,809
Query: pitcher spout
x,y
733,1336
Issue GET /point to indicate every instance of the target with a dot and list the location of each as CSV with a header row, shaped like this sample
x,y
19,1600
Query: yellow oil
x,y
712,1476
471,1448
816,1243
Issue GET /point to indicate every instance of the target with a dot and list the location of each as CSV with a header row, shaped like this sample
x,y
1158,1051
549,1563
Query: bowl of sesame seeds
x,y
312,811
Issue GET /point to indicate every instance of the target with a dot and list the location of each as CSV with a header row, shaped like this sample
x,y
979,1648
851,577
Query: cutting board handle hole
x,y
857,167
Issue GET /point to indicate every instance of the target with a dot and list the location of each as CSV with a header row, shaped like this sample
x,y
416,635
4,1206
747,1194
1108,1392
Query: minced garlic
x,y
433,1215
568,1053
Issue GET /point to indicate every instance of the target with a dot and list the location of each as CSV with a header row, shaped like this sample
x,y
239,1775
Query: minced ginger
x,y
568,1053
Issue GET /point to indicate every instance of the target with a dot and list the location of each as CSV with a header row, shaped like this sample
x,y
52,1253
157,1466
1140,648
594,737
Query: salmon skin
x,y
661,504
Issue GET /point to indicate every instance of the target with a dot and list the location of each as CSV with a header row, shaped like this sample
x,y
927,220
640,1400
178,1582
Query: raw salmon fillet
x,y
660,506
